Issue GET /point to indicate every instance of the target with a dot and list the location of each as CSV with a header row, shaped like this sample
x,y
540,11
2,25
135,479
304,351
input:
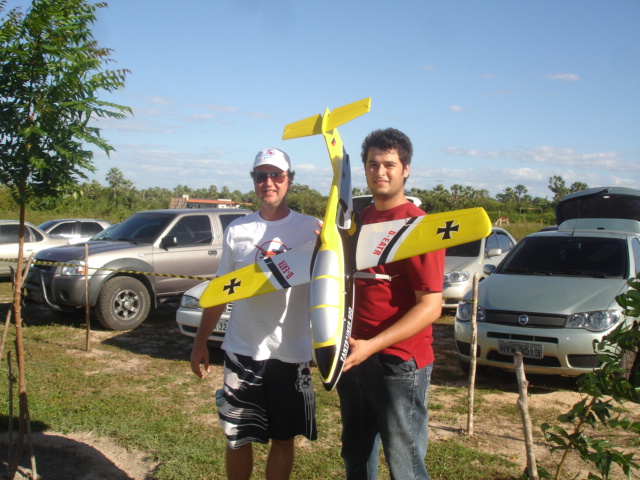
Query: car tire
x,y
123,303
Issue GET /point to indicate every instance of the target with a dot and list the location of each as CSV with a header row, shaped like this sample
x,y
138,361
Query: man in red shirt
x,y
385,381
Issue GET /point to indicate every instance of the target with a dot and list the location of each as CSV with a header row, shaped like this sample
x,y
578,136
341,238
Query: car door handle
x,y
213,253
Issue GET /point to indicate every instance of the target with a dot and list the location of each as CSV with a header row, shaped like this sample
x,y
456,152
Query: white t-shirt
x,y
274,325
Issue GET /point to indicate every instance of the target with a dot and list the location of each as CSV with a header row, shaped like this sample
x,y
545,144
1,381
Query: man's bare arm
x,y
200,352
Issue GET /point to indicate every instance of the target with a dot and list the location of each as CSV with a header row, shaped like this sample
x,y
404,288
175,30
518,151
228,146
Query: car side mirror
x,y
169,241
488,269
494,252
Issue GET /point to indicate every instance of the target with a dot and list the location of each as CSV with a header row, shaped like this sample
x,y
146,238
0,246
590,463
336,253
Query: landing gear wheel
x,y
123,303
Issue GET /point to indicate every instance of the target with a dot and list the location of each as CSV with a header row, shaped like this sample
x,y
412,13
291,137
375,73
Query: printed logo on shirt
x,y
269,249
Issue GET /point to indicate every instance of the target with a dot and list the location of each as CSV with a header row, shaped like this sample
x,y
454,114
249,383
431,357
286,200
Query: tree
x,y
507,196
557,186
52,70
117,183
520,191
577,187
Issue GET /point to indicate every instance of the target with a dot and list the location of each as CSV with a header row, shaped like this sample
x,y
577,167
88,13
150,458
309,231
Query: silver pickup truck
x,y
143,262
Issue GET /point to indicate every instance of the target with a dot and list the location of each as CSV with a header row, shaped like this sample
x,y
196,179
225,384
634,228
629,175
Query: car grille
x,y
535,319
583,361
522,338
539,362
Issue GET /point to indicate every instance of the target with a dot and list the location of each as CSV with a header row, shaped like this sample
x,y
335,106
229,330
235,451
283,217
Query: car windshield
x,y
142,227
47,224
104,234
471,249
568,256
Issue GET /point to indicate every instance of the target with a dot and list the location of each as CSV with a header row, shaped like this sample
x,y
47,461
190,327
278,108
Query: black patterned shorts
x,y
264,399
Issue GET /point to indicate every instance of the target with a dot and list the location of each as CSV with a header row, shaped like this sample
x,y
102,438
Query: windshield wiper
x,y
127,239
526,271
584,273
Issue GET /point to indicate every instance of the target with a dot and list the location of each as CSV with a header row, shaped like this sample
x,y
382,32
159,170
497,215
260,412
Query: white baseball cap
x,y
273,156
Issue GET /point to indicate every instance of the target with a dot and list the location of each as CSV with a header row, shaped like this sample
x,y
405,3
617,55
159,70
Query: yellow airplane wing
x,y
267,275
386,242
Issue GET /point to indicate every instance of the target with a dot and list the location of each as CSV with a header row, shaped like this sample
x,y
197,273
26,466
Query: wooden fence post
x,y
523,405
474,349
87,318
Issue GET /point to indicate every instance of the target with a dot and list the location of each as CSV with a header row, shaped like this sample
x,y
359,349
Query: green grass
x,y
458,460
137,389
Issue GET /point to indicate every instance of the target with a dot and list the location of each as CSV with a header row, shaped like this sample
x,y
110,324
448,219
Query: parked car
x,y
463,261
150,258
34,241
189,315
75,230
555,292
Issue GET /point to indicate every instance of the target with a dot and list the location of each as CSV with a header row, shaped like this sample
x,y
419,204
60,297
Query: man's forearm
x,y
210,317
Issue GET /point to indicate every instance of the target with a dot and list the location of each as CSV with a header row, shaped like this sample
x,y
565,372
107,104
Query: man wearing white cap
x,y
267,394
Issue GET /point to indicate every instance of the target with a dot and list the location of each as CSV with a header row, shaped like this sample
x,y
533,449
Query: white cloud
x,y
151,112
221,108
202,117
457,108
567,77
159,100
555,156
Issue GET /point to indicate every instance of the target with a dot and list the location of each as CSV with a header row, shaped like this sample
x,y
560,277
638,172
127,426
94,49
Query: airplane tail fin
x,y
319,124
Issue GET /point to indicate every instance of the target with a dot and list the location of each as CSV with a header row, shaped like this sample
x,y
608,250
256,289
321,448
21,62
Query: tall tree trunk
x,y
23,416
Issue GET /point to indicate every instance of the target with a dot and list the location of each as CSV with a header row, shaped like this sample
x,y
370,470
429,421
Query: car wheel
x,y
123,304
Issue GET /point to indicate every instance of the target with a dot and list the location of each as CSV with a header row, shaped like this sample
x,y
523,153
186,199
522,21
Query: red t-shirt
x,y
379,303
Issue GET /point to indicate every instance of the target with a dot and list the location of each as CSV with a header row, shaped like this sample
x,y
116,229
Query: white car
x,y
34,241
189,315
551,298
75,230
463,261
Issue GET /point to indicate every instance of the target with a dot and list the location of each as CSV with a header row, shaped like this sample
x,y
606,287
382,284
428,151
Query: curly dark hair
x,y
388,139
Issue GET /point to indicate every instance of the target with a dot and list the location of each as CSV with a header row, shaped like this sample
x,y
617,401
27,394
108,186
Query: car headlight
x,y
594,321
187,301
74,267
457,276
465,310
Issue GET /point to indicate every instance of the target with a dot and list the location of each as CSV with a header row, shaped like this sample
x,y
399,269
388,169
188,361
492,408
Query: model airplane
x,y
343,247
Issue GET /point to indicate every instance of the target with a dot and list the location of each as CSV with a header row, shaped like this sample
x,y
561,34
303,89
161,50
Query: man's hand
x,y
359,351
200,354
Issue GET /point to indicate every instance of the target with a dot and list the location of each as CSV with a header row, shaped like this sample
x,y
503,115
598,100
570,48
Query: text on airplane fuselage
x,y
383,243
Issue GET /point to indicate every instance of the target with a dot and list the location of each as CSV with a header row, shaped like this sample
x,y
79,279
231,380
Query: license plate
x,y
529,350
221,326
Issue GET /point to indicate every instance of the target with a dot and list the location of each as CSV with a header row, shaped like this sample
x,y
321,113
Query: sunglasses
x,y
276,177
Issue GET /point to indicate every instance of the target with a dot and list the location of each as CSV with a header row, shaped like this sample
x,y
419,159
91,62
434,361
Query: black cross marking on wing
x,y
447,229
232,286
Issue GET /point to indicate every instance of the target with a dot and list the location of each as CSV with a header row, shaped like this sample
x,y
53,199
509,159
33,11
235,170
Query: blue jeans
x,y
385,399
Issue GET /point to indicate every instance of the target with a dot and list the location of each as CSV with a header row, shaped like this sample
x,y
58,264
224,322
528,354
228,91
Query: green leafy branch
x,y
617,380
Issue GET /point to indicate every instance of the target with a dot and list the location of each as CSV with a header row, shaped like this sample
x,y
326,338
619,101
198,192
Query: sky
x,y
492,93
